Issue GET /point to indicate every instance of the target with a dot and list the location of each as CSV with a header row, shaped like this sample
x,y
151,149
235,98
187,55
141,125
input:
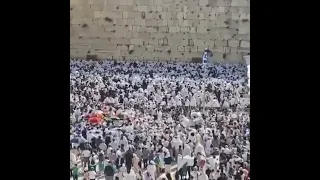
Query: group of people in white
x,y
178,120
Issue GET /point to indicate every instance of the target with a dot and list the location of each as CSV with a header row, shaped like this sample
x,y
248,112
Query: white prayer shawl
x,y
185,122
199,149
203,176
186,151
151,168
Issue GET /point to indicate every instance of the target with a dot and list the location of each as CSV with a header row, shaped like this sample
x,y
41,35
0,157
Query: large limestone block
x,y
113,2
218,57
241,3
203,2
244,29
123,8
136,41
220,43
234,57
233,43
244,51
224,3
245,44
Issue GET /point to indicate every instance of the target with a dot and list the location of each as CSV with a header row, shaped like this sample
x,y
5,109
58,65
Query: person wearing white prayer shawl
x,y
233,160
199,149
193,89
245,155
247,146
135,163
187,102
198,98
183,138
192,136
73,118
193,101
207,134
176,142
97,97
208,147
225,104
114,144
109,150
166,142
131,137
227,150
203,176
163,103
169,120
131,176
199,137
177,100
73,158
186,151
215,163
77,113
232,101
185,122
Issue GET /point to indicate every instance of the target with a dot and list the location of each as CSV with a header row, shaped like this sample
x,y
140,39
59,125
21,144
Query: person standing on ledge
x,y
207,56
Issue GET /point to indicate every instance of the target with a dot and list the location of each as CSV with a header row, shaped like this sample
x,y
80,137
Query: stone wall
x,y
160,29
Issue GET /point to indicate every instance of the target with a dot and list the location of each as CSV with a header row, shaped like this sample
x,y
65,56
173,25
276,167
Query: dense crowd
x,y
154,113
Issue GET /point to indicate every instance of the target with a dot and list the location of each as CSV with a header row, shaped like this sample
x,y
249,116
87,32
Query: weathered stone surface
x,y
245,44
150,29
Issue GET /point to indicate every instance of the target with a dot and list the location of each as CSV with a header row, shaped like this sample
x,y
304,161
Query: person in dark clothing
x,y
84,133
108,139
145,157
195,161
128,160
88,146
176,175
93,143
238,175
209,52
168,175
75,172
101,161
222,177
98,141
208,171
109,171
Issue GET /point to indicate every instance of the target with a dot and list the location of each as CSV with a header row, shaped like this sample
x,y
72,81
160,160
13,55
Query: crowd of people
x,y
155,113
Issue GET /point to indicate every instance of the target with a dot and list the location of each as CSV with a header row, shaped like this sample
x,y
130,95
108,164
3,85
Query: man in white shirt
x,y
85,157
